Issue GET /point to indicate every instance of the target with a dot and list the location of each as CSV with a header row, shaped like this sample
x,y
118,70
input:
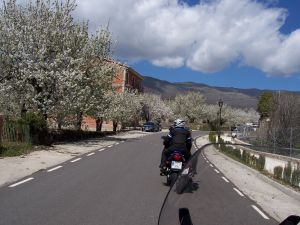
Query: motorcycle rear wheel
x,y
173,178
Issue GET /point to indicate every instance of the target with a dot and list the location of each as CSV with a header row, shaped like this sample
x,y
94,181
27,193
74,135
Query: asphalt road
x,y
116,185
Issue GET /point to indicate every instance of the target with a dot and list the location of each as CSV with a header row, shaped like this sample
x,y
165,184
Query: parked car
x,y
151,127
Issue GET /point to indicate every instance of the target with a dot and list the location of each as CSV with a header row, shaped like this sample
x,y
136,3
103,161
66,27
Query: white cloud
x,y
206,37
172,62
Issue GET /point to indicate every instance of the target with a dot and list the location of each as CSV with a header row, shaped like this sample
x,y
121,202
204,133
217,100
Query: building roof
x,y
127,67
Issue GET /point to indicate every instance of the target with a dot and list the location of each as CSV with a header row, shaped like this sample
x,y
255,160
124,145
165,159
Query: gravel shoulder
x,y
15,168
273,197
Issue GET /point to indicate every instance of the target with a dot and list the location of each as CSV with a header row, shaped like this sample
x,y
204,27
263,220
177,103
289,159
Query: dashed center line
x,y
109,146
224,178
21,182
102,149
55,168
211,165
217,171
238,191
91,154
260,212
75,160
117,143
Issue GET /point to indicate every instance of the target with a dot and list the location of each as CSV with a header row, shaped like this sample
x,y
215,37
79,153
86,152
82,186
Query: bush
x,y
236,153
246,157
212,137
253,161
278,172
287,173
14,149
230,151
261,162
296,177
38,128
75,135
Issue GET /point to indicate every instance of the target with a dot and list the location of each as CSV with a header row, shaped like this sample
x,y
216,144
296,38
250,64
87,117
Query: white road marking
x,y
91,154
75,160
55,168
102,149
211,165
109,146
217,171
260,212
21,182
224,178
238,191
117,143
122,141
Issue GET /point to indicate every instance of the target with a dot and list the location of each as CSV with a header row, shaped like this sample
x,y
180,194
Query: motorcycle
x,y
174,164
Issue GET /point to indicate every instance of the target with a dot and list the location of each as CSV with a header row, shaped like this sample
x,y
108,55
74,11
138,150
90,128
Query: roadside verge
x,y
277,200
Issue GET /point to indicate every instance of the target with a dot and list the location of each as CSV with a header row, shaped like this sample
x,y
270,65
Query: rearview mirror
x,y
185,217
291,220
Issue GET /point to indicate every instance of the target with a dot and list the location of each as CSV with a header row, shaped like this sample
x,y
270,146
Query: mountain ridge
x,y
235,97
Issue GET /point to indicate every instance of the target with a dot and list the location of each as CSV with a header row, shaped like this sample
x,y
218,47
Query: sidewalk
x,y
277,200
15,168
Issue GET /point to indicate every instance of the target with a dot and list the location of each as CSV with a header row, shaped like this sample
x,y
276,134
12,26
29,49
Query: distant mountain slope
x,y
245,98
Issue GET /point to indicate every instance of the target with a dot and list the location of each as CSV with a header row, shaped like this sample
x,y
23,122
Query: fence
x,y
14,133
284,142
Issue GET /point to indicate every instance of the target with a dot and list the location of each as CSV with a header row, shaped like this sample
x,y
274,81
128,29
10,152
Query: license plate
x,y
176,165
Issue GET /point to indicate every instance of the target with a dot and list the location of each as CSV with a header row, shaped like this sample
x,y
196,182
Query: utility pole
x,y
220,118
291,142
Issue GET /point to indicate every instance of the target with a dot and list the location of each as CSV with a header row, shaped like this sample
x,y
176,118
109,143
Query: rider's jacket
x,y
179,138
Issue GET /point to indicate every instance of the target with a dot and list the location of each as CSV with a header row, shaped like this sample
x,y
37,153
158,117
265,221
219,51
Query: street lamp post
x,y
220,118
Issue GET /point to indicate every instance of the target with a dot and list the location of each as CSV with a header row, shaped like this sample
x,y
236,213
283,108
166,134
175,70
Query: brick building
x,y
126,78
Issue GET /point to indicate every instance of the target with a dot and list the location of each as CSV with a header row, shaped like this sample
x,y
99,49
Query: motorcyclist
x,y
179,138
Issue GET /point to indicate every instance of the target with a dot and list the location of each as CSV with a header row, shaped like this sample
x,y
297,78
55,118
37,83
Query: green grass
x,y
13,149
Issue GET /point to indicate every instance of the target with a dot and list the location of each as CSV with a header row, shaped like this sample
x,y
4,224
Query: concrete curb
x,y
290,192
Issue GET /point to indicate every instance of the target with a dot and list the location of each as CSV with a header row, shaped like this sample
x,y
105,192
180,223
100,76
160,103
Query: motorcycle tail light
x,y
177,157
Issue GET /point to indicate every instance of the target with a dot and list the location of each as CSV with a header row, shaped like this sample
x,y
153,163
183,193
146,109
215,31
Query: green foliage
x,y
246,157
36,122
214,124
212,137
264,105
278,172
296,177
261,163
287,173
14,149
38,127
232,152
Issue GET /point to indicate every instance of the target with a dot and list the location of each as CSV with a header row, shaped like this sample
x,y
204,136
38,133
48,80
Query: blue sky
x,y
236,75
230,43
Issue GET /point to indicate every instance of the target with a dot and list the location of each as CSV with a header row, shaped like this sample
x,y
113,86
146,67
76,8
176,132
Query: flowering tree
x,y
124,107
154,108
190,106
231,115
49,63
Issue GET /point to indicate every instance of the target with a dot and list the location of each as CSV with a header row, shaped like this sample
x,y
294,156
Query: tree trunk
x,y
79,120
23,111
59,121
115,125
99,122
